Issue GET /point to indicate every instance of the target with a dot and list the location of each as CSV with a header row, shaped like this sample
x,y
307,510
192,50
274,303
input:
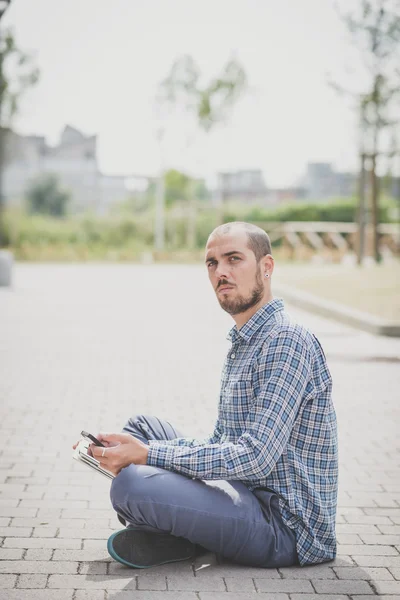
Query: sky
x,y
101,63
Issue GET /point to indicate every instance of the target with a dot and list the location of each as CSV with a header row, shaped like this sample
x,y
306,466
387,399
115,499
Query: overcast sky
x,y
101,62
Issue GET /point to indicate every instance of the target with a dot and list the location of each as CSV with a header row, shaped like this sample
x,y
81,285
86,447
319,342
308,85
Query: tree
x,y
45,196
208,103
375,30
17,74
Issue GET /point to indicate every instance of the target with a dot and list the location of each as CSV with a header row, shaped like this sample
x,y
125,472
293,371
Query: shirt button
x,y
233,355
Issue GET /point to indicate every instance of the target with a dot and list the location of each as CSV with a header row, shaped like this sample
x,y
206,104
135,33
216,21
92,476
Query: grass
x,y
373,289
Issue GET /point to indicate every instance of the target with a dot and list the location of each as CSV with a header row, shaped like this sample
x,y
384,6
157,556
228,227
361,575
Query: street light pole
x,y
4,4
5,257
160,199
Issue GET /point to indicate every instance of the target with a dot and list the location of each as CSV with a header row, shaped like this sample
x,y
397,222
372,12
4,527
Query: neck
x,y
242,318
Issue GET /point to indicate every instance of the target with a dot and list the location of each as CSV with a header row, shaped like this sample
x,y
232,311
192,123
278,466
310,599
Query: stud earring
x,y
266,274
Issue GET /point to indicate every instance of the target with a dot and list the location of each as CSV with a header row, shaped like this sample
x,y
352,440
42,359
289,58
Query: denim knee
x,y
120,488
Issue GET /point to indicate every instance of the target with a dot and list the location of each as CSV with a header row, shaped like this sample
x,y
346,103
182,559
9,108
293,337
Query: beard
x,y
240,304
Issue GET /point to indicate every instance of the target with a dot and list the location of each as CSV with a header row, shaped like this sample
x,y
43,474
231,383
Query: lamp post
x,y
5,257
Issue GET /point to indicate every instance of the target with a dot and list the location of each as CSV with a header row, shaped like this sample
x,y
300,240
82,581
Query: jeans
x,y
224,517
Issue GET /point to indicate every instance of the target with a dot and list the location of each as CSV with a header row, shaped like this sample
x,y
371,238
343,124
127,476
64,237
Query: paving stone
x,y
82,555
86,533
241,596
367,549
36,594
323,597
342,587
92,568
32,581
367,573
11,553
7,581
156,582
178,568
377,561
38,554
89,595
36,566
46,532
388,587
311,572
195,584
395,571
154,595
286,586
236,584
91,582
41,543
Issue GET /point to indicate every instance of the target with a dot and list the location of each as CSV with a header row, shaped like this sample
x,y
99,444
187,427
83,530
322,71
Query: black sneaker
x,y
143,549
121,520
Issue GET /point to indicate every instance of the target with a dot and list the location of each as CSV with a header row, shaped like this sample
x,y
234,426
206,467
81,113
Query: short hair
x,y
257,239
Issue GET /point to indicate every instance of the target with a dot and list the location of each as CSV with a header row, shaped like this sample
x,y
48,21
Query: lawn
x,y
372,289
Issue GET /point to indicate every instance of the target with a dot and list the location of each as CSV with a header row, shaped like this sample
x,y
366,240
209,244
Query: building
x,y
322,182
242,186
73,160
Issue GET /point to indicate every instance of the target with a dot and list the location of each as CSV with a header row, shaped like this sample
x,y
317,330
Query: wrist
x,y
144,454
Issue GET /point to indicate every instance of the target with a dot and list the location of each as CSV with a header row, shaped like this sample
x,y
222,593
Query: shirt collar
x,y
257,320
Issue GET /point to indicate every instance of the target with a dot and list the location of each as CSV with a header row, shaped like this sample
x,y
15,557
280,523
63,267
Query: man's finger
x,y
100,453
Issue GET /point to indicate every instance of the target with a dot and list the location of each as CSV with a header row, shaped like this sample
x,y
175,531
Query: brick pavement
x,y
86,346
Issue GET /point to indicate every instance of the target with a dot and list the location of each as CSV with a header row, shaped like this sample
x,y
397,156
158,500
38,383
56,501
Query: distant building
x,y
242,186
321,182
73,160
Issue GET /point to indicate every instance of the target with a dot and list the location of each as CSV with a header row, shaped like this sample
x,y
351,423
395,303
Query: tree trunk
x,y
2,143
375,209
191,224
361,214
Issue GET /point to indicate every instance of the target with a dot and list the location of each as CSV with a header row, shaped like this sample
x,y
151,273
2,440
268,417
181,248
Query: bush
x,y
341,210
45,196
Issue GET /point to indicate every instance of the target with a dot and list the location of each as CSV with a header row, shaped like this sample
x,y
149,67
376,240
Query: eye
x,y
234,258
211,263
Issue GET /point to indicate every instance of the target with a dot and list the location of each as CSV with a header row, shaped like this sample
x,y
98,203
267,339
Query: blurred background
x,y
130,129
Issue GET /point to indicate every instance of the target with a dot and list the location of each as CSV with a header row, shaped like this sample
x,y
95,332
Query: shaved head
x,y
257,240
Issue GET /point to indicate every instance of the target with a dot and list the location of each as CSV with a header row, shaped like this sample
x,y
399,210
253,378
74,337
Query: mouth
x,y
225,288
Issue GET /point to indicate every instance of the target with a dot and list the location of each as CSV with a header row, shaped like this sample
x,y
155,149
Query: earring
x,y
266,274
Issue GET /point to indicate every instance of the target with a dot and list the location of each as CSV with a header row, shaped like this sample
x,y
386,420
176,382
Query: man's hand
x,y
121,450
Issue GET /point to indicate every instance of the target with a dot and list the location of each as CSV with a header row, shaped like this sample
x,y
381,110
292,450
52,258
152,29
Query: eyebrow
x,y
225,254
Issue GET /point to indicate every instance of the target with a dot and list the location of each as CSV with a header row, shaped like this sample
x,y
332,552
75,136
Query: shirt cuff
x,y
160,456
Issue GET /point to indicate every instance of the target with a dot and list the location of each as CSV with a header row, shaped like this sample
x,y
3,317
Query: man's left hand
x,y
121,450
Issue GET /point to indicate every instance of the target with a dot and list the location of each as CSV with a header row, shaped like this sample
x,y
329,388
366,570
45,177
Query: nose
x,y
222,272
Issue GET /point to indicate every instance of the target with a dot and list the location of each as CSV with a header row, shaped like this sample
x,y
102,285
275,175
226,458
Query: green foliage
x,y
17,74
45,196
177,186
341,210
125,237
210,103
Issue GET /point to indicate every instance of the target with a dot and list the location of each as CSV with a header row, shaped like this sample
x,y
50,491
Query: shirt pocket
x,y
237,398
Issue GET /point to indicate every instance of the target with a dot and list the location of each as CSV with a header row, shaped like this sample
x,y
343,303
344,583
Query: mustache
x,y
224,282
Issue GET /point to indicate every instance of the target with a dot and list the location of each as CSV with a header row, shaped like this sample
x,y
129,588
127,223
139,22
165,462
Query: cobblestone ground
x,y
87,346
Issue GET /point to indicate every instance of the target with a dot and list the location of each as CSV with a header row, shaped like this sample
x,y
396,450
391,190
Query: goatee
x,y
240,304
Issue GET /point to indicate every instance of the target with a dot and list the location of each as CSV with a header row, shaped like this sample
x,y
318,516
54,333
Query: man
x,y
262,489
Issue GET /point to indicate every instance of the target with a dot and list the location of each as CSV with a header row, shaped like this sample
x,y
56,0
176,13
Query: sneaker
x,y
121,520
143,549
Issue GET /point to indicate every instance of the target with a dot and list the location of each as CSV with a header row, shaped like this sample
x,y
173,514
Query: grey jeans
x,y
222,516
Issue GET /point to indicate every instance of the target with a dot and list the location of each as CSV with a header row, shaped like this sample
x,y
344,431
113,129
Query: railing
x,y
302,239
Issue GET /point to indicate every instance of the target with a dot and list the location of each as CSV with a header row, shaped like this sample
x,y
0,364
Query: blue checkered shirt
x,y
276,428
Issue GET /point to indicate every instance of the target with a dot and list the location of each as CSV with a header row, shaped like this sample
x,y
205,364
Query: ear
x,y
267,264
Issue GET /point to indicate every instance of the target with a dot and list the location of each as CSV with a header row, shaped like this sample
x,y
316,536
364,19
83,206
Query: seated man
x,y
262,489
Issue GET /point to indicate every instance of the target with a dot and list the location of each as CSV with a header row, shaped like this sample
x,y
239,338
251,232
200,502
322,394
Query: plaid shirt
x,y
276,428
